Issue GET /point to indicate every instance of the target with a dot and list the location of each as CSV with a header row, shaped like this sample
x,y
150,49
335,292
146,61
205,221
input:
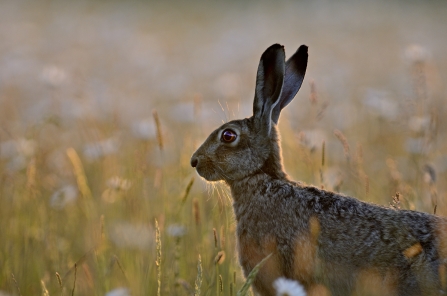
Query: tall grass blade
x,y
251,277
44,289
158,262
198,283
74,281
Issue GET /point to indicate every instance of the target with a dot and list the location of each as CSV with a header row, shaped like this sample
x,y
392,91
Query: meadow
x,y
103,103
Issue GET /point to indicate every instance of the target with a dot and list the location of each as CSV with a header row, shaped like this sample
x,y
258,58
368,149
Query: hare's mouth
x,y
206,168
209,173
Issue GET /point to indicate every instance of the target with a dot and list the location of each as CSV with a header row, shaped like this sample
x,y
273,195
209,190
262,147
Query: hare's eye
x,y
228,136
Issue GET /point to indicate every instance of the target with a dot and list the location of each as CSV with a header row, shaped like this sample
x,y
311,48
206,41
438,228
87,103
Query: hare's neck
x,y
245,190
273,167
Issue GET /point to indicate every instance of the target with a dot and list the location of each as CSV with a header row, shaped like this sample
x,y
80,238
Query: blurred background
x,y
102,104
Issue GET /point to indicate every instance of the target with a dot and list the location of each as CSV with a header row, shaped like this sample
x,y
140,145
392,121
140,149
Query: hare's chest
x,y
254,244
252,251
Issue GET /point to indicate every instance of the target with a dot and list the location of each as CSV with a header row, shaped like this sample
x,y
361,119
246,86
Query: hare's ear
x,y
269,81
295,71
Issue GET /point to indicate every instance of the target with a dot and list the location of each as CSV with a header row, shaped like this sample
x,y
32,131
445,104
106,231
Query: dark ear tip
x,y
276,46
273,49
302,50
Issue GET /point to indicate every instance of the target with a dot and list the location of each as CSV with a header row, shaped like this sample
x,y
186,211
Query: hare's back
x,y
366,234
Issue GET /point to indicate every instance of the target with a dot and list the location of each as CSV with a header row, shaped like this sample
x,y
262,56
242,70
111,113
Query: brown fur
x,y
251,253
306,265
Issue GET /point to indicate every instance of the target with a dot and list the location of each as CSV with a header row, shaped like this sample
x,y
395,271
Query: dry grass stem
x,y
15,283
116,259
78,170
59,280
220,257
344,142
196,211
74,281
198,282
159,131
101,229
187,190
44,289
215,238
395,204
158,260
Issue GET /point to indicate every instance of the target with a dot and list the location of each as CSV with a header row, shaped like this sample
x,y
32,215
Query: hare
x,y
317,237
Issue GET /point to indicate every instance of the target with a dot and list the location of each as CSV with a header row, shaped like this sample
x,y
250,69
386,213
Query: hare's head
x,y
240,148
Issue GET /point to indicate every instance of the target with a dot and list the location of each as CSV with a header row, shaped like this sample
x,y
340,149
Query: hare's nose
x,y
194,162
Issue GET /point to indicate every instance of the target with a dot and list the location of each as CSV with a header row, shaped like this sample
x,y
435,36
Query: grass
x,y
68,247
75,248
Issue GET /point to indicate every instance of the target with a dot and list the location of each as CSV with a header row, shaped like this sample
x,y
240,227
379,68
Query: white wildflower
x,y
133,236
381,103
102,148
176,230
116,186
286,287
416,53
16,164
418,145
18,152
53,75
118,183
144,129
26,147
419,124
19,147
64,196
312,139
118,292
